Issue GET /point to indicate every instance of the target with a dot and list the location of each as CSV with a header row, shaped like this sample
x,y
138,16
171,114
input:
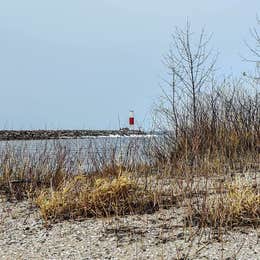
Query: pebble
x,y
136,237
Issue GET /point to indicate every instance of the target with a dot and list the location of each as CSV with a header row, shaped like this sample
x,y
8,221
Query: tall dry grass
x,y
187,166
221,145
27,167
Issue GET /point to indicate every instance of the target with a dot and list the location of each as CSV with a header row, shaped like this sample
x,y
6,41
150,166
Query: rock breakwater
x,y
62,134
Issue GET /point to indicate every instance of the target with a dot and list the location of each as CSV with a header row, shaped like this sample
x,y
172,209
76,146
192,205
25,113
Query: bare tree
x,y
191,65
206,116
254,79
255,50
256,36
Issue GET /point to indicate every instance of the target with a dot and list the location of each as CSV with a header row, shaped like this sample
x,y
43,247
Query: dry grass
x,y
237,204
186,166
62,190
101,197
25,170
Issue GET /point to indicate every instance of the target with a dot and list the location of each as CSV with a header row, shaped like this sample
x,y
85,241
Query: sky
x,y
84,64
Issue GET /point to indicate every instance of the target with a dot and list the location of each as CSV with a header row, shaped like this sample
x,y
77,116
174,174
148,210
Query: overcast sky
x,y
84,64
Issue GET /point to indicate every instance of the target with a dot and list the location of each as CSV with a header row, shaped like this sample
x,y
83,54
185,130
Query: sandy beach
x,y
151,236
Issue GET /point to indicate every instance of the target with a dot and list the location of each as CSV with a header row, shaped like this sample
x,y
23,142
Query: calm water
x,y
89,152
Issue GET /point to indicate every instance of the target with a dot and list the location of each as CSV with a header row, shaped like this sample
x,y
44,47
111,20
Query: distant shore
x,y
6,135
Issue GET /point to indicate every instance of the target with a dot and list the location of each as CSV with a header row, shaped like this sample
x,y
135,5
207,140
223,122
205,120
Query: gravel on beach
x,y
161,235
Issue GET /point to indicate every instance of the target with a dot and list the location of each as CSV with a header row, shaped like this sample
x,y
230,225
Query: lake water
x,y
89,152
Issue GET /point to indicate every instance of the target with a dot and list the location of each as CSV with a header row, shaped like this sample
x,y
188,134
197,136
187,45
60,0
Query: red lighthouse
x,y
131,119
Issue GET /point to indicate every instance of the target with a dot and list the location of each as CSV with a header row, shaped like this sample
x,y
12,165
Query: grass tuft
x,y
101,197
238,206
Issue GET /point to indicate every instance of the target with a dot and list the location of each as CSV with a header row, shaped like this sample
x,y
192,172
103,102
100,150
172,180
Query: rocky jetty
x,y
61,134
